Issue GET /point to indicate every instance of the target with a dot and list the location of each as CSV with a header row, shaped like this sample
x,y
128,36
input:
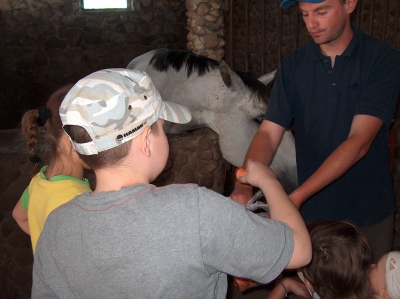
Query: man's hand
x,y
364,129
296,200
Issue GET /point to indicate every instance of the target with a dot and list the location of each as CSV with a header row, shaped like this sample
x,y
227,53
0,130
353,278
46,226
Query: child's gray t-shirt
x,y
144,241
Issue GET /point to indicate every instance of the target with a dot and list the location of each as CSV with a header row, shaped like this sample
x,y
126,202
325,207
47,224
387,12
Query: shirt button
x,y
333,84
330,72
326,60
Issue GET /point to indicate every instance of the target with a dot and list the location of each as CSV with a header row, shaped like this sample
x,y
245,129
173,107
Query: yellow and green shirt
x,y
44,195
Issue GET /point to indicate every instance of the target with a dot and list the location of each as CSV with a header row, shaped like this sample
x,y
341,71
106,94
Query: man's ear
x,y
350,5
145,141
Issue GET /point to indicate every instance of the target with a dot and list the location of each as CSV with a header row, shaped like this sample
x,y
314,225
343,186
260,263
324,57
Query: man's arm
x,y
363,131
262,149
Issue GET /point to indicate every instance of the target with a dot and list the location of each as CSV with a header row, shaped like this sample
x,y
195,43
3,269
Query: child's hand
x,y
243,284
296,287
291,286
254,174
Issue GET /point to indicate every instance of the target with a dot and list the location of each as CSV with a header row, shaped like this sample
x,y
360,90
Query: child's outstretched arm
x,y
21,217
282,209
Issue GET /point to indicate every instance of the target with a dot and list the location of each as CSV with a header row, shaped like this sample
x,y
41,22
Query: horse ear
x,y
267,78
230,78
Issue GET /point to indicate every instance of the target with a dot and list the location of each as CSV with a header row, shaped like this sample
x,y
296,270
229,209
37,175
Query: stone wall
x,y
272,32
206,28
49,43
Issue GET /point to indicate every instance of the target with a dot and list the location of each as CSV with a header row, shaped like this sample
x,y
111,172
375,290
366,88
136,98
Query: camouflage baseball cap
x,y
114,106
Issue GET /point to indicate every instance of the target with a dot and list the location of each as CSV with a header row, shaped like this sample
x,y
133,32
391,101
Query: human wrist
x,y
280,282
297,198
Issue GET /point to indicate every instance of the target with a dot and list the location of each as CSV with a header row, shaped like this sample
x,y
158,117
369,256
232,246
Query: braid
x,y
49,116
30,130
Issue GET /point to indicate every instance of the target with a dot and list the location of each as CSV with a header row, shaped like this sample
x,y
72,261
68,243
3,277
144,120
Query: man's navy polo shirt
x,y
322,101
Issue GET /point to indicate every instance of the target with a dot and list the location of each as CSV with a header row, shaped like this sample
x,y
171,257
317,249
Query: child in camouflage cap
x,y
131,239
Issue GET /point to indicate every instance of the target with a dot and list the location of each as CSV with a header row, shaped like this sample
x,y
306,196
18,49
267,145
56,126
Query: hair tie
x,y
44,114
35,159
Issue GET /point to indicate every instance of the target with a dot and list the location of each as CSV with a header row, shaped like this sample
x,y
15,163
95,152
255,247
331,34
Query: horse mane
x,y
164,58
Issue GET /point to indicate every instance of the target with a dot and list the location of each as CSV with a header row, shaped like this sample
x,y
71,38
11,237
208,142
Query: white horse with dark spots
x,y
229,102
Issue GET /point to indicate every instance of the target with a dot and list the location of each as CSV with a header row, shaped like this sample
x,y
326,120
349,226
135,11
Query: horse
x,y
229,102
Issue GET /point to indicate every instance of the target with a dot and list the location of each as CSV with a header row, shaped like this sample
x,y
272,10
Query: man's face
x,y
325,21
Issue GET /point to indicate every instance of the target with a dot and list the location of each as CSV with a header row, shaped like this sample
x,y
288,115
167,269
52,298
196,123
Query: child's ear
x,y
383,292
67,145
309,285
65,139
145,141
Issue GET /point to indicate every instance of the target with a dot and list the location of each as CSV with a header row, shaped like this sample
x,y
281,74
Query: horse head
x,y
220,98
225,100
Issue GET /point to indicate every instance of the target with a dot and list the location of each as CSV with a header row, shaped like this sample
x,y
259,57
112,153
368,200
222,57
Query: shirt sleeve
x,y
380,94
239,242
25,199
280,109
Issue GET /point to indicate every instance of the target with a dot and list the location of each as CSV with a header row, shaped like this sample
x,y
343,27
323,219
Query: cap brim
x,y
176,113
287,3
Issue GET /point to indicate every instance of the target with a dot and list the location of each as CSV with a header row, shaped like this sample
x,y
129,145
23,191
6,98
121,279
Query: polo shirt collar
x,y
316,54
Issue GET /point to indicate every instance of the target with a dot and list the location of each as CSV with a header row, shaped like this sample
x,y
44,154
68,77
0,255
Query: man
x,y
341,89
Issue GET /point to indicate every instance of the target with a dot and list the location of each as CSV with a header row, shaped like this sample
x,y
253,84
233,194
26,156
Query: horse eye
x,y
129,107
145,97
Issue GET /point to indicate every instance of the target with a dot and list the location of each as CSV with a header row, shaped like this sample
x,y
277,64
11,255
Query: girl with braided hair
x,y
56,183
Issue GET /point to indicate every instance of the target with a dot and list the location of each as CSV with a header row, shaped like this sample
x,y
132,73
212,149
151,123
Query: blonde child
x,y
55,183
385,276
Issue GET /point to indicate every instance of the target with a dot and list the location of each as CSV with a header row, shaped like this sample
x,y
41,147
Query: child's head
x,y
49,117
104,111
341,261
385,276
